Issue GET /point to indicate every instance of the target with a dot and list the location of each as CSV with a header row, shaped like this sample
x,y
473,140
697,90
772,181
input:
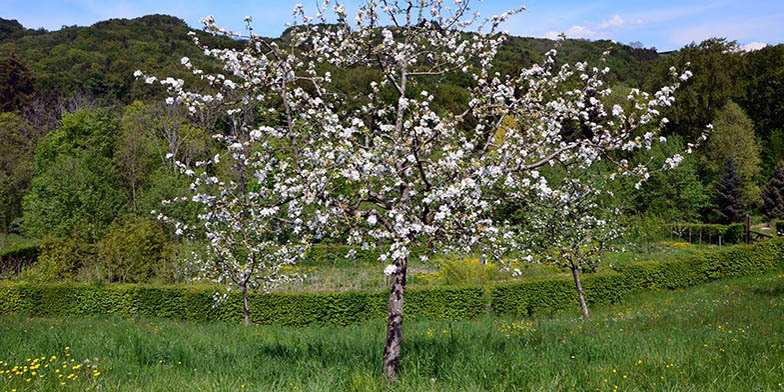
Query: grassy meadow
x,y
723,336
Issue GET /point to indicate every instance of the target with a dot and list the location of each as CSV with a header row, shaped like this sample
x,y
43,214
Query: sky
x,y
664,24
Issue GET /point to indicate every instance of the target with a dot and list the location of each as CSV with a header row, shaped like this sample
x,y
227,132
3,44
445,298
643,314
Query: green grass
x,y
724,336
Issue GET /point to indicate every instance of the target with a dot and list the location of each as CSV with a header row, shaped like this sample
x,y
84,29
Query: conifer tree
x,y
729,195
773,196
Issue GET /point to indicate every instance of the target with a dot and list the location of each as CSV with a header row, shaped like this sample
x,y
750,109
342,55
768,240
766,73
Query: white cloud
x,y
574,32
616,21
752,46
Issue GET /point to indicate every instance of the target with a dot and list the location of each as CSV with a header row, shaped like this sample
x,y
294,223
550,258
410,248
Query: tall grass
x,y
725,336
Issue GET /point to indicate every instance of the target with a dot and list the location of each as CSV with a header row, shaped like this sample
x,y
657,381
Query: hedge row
x,y
196,303
17,256
549,295
452,303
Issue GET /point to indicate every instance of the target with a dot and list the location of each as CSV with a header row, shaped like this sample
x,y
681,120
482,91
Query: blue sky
x,y
665,24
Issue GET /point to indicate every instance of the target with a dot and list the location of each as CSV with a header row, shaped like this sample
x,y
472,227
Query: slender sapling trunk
x,y
580,294
245,304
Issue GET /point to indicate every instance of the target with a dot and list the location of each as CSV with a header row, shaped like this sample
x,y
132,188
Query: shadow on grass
x,y
776,291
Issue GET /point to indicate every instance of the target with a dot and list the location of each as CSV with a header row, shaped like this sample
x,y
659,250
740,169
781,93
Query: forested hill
x,y
46,75
99,60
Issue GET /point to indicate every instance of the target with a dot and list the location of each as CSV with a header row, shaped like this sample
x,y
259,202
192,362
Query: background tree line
x,y
86,152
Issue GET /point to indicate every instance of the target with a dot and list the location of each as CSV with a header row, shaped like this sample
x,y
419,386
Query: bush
x,y
132,252
461,271
60,260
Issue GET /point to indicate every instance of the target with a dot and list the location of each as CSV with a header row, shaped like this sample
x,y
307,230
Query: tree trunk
x,y
576,275
395,321
245,305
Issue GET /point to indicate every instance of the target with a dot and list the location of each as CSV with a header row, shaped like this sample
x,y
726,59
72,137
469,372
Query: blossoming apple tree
x,y
253,192
387,166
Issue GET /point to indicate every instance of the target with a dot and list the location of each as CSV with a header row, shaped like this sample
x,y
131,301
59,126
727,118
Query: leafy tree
x,y
676,195
10,28
134,158
729,195
772,152
75,185
764,101
733,137
16,167
773,196
573,225
16,84
717,65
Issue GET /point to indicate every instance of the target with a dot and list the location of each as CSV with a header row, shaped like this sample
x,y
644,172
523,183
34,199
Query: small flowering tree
x,y
572,226
385,165
253,192
572,218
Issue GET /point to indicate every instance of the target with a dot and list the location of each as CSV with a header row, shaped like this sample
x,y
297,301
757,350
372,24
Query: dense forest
x,y
87,151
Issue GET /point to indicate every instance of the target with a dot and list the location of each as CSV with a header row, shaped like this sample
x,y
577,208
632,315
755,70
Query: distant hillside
x,y
99,60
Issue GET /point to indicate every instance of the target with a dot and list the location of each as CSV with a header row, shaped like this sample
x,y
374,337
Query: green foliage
x,y
16,167
447,302
676,195
764,101
100,60
461,271
132,252
196,303
16,84
134,158
60,259
733,137
772,151
773,195
717,66
10,28
74,191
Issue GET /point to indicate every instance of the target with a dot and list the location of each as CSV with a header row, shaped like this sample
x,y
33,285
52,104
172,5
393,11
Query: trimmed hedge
x,y
452,303
196,303
550,295
16,256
